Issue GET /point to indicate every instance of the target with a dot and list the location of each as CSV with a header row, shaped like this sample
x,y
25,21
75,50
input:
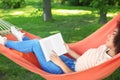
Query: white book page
x,y
58,44
55,43
46,47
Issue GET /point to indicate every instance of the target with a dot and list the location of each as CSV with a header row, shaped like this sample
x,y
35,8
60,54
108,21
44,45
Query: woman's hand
x,y
71,52
67,47
55,58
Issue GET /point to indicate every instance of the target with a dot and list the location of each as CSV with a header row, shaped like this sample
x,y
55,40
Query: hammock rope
x,y
30,62
5,27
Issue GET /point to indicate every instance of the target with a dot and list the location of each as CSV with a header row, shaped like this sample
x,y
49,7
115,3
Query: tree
x,y
103,6
47,15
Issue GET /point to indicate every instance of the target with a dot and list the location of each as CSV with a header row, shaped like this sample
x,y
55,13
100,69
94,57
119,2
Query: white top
x,y
91,58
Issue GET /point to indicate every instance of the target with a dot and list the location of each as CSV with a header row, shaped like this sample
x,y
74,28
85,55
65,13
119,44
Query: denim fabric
x,y
34,46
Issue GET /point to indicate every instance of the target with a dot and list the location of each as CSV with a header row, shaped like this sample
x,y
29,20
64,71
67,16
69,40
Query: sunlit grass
x,y
70,12
26,11
18,13
112,15
29,10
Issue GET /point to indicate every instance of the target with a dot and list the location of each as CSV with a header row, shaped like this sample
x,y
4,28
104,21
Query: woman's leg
x,y
23,46
34,46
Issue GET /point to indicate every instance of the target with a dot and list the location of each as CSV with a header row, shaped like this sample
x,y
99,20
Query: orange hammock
x,y
99,72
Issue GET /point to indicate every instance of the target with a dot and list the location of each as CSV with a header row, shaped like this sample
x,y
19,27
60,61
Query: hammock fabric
x,y
99,72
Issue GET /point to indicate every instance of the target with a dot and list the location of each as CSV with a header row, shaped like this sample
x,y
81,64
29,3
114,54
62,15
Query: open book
x,y
54,42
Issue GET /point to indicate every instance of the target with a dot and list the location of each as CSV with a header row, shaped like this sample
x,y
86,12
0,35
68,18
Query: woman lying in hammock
x,y
64,64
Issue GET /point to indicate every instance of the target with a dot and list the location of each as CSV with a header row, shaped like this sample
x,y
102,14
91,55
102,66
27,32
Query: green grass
x,y
75,23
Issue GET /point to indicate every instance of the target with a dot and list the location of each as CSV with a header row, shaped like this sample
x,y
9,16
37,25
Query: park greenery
x,y
74,22
103,6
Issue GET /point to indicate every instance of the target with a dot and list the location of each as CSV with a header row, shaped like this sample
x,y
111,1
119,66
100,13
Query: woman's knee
x,y
35,42
51,68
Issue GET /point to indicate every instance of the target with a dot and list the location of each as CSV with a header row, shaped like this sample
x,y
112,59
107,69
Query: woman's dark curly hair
x,y
117,39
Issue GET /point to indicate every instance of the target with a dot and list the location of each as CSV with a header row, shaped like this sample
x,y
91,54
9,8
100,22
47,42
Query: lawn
x,y
75,23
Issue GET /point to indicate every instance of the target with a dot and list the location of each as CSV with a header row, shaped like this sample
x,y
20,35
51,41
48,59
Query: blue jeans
x,y
28,45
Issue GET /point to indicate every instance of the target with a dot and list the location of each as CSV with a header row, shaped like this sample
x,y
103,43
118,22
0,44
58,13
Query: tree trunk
x,y
47,15
103,17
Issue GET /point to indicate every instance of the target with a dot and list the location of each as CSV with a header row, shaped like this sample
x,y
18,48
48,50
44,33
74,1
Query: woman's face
x,y
110,39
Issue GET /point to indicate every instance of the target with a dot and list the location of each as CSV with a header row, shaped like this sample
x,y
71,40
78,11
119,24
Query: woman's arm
x,y
72,53
56,59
